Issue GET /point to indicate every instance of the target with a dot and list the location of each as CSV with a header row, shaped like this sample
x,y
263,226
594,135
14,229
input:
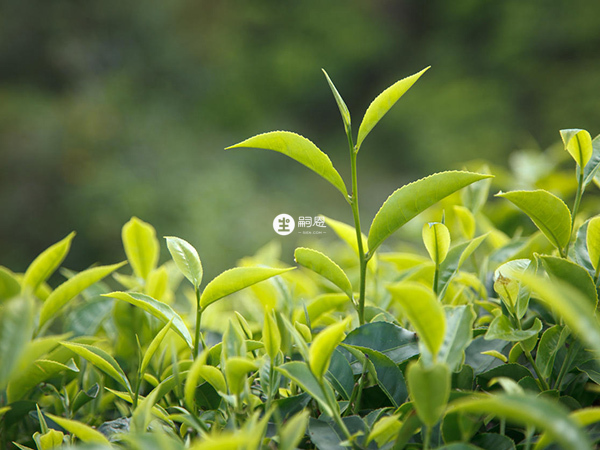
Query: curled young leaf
x,y
579,145
436,238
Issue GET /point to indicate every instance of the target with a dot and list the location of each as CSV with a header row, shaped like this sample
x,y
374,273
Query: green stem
x,y
336,417
571,352
427,439
541,378
359,391
271,381
361,251
436,279
575,209
199,338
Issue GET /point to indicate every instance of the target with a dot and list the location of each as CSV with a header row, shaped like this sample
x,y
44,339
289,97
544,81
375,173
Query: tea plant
x,y
474,340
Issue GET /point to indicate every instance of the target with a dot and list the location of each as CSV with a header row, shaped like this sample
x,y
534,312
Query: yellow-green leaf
x,y
423,311
547,211
323,345
236,369
579,145
186,258
141,246
584,417
593,241
324,266
16,328
154,345
271,336
157,309
71,288
414,198
340,102
466,219
293,430
383,103
46,263
429,388
83,432
436,237
234,280
299,148
9,285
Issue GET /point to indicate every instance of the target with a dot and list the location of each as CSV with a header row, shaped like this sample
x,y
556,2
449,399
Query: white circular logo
x,y
284,224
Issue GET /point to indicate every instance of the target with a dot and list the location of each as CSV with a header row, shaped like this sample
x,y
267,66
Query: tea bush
x,y
475,340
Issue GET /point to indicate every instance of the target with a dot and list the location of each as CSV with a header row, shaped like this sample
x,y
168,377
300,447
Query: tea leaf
x,y
293,430
584,417
271,336
414,198
528,409
300,373
436,237
186,258
423,310
579,145
46,263
383,103
236,279
16,328
321,264
141,246
593,241
323,345
83,432
340,102
158,309
72,287
100,359
573,274
551,342
299,148
429,389
39,371
547,211
236,368
154,345
9,285
459,333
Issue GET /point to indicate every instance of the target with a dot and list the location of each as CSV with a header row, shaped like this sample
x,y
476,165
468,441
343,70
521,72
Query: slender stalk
x,y
427,438
436,279
541,378
361,251
199,339
575,208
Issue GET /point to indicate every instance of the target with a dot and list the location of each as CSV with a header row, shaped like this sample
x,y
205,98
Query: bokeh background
x,y
119,108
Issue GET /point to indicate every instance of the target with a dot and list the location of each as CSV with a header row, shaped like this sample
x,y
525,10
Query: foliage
x,y
476,340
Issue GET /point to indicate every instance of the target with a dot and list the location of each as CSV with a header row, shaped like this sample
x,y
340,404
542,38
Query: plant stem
x,y
541,378
427,439
571,352
575,208
336,417
199,338
361,251
436,279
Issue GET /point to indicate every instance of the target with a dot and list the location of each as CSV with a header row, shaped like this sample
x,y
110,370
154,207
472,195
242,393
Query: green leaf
x,y
383,103
299,148
234,280
323,345
347,233
158,309
515,372
590,171
50,440
573,274
154,345
530,410
414,198
466,219
236,368
508,287
100,359
9,285
300,373
551,342
46,263
142,415
459,333
547,211
429,389
71,288
340,375
424,312
340,102
593,241
16,328
436,237
39,371
271,336
141,246
186,258
579,145
292,432
502,328
321,264
83,432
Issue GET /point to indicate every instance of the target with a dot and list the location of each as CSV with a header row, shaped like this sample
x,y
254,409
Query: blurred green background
x,y
119,108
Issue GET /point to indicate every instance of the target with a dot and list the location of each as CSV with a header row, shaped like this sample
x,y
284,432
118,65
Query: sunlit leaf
x,y
46,263
436,238
323,345
141,246
429,389
324,266
16,328
340,102
186,258
83,432
579,145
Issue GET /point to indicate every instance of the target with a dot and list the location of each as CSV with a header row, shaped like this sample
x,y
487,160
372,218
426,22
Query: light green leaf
x,y
323,345
187,259
459,333
299,148
100,359
157,309
547,211
508,287
502,328
234,280
340,102
466,219
292,432
542,413
579,145
593,241
46,263
50,440
142,415
236,369
16,328
551,342
573,274
37,372
71,288
347,233
300,373
590,172
9,285
271,336
414,198
423,311
141,246
383,103
324,266
83,432
436,237
429,388
154,345
584,417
